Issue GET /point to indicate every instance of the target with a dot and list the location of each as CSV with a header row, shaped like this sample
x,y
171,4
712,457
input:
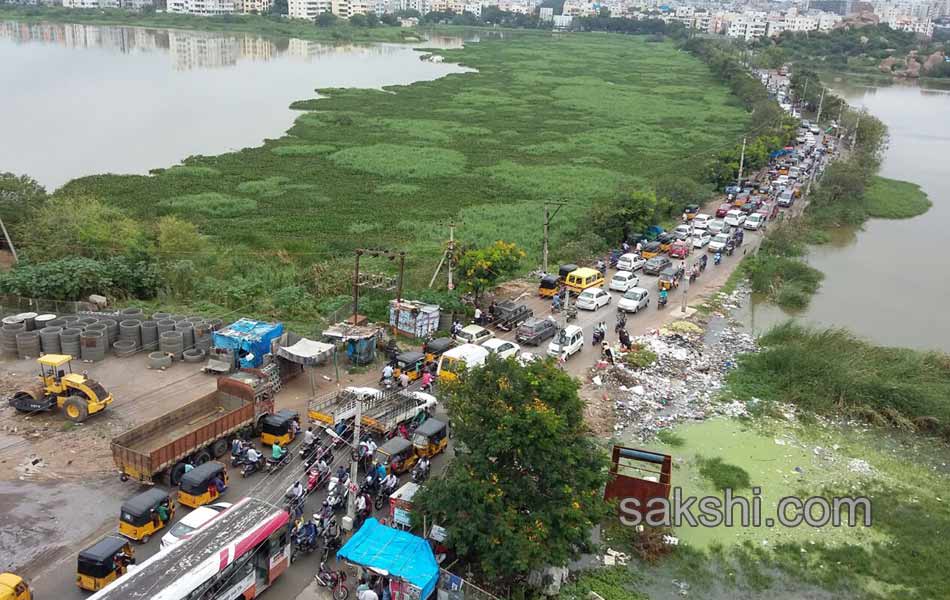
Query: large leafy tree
x,y
20,195
526,491
481,268
617,218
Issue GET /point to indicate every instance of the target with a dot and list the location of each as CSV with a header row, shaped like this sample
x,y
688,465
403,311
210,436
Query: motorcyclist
x,y
423,466
308,533
308,437
341,474
296,491
387,372
556,303
664,296
253,456
276,452
237,447
717,258
361,504
389,484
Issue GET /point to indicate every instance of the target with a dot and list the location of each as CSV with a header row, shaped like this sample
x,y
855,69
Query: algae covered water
x,y
85,99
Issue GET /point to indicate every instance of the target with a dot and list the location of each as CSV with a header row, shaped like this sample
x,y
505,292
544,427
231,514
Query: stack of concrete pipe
x,y
149,335
171,342
131,314
44,321
203,336
124,347
94,344
160,316
11,327
85,322
29,320
187,334
130,330
165,325
69,341
58,322
28,344
49,339
69,320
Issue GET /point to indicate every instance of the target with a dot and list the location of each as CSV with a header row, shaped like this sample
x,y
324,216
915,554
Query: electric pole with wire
x,y
741,164
548,215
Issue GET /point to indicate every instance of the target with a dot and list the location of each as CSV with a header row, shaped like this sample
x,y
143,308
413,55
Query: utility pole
x,y
548,215
854,136
820,101
354,465
402,268
356,287
6,236
741,164
804,97
447,257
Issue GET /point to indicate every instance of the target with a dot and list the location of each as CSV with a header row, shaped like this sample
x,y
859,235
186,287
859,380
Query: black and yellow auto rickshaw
x,y
280,427
669,278
144,514
548,287
203,484
14,587
691,211
411,363
437,347
650,249
431,437
396,455
665,240
103,562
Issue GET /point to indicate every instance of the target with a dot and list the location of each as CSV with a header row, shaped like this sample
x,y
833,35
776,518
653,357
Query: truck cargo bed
x,y
174,425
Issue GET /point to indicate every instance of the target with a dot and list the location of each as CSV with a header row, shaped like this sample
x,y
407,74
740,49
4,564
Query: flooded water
x,y
80,99
888,282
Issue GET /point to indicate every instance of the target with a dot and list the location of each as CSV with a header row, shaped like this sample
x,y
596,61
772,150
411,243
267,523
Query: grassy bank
x,y
894,199
583,118
263,25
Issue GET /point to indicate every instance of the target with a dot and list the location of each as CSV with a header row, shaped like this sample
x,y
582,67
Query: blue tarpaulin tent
x,y
403,555
250,340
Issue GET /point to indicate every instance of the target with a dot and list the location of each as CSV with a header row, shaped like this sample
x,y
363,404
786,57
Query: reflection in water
x,y
190,49
143,98
888,282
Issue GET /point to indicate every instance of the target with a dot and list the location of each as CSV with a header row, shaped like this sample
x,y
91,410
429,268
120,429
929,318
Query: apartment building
x,y
748,26
308,9
258,7
205,8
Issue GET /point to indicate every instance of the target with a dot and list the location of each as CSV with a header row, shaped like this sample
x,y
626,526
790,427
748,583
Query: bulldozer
x,y
77,395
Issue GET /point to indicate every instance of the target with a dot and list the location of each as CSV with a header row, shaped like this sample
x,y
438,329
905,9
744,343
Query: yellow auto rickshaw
x,y
203,484
411,363
665,240
650,249
280,427
435,348
144,514
548,287
103,562
668,279
691,211
14,587
431,437
396,455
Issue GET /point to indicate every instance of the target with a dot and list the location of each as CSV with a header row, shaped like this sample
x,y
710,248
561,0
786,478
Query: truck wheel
x,y
219,448
76,409
202,457
176,473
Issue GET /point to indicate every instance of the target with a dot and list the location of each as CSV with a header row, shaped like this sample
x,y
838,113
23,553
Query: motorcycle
x,y
252,467
419,473
382,498
621,322
239,459
294,505
334,580
571,313
304,543
598,336
336,492
317,477
321,453
272,465
661,301
307,449
717,258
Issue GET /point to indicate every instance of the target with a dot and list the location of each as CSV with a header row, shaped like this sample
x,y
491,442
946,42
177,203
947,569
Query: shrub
x,y
210,204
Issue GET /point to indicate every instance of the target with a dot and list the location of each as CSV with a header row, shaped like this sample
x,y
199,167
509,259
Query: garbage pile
x,y
682,384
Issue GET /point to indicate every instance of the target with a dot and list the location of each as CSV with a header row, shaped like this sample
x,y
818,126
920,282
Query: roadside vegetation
x,y
894,199
589,119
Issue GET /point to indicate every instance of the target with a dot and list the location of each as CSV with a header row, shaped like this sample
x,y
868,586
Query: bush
x,y
77,278
210,204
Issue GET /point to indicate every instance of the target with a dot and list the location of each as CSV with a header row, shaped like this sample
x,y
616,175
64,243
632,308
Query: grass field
x,y
895,199
578,118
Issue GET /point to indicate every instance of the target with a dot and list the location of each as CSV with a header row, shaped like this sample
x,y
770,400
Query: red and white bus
x,y
238,554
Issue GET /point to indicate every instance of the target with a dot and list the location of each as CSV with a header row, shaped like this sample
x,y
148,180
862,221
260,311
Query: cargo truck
x,y
382,411
196,432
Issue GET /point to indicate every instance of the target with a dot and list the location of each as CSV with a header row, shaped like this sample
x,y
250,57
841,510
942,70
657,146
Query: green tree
x,y
527,491
178,238
326,20
358,20
615,219
79,226
279,7
674,192
481,268
20,195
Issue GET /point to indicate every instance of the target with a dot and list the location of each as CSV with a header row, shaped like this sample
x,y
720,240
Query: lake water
x,y
890,282
80,99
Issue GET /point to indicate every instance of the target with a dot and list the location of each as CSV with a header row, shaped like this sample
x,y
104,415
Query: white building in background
x,y
259,7
546,13
203,8
308,9
748,26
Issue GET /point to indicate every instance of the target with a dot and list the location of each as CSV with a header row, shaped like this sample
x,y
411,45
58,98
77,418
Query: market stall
x,y
405,558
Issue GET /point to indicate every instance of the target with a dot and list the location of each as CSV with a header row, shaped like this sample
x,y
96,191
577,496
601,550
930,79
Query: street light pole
x,y
354,467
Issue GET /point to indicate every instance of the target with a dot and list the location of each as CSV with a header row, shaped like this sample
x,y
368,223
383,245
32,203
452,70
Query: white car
x,y
735,218
502,348
196,519
473,334
718,243
701,221
717,226
814,130
592,299
623,281
567,342
701,238
682,232
526,358
754,222
630,262
635,299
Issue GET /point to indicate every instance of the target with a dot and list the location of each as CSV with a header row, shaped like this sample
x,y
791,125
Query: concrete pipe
x,y
85,322
12,320
131,330
93,345
8,335
170,342
159,360
177,318
149,335
112,331
57,322
193,355
160,316
124,348
131,314
29,320
165,325
187,334
49,340
44,320
70,319
28,344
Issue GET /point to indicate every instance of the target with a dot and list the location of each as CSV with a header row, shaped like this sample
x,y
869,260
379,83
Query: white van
x,y
567,342
630,262
460,359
